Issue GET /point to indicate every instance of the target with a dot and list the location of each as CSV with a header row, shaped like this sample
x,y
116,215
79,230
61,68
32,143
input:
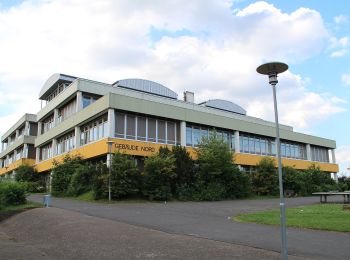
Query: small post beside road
x,y
109,163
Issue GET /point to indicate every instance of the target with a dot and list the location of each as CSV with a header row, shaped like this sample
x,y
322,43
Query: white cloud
x,y
339,53
343,158
346,79
340,19
110,40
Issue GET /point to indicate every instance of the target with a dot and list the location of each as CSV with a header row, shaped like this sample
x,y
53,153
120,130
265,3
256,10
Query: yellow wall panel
x,y
16,164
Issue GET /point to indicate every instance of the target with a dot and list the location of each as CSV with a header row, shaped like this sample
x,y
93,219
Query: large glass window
x,y
65,143
120,125
319,154
171,132
141,128
161,131
152,130
67,110
130,126
94,130
47,124
189,135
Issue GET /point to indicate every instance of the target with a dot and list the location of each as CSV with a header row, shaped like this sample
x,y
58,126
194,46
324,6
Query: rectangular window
x,y
152,130
246,144
161,131
251,145
189,136
196,136
287,150
257,146
120,125
170,132
130,126
141,128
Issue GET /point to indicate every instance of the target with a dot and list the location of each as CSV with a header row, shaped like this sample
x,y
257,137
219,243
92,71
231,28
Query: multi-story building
x,y
17,144
139,116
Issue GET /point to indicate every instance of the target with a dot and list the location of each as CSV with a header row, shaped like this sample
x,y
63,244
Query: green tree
x,y
125,176
34,182
158,176
81,180
265,179
62,174
293,181
316,180
219,177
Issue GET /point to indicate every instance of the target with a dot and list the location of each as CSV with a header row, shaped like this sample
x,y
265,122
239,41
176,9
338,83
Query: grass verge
x,y
8,211
330,217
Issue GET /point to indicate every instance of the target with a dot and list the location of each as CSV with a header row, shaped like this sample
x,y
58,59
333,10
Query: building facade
x,y
79,116
17,144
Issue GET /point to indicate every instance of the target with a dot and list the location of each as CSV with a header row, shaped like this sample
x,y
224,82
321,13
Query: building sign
x,y
135,148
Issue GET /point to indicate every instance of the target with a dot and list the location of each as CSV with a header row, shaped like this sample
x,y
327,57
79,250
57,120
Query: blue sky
x,y
209,47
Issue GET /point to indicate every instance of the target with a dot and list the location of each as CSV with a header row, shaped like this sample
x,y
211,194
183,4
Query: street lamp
x,y
109,143
272,69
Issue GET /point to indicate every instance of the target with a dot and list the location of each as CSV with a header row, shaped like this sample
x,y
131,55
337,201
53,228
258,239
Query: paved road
x,y
212,220
53,233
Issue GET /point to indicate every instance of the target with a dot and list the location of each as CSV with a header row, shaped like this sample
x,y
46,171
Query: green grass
x,y
321,216
29,204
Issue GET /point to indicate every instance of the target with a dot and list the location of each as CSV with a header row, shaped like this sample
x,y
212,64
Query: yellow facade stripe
x,y
140,148
252,160
16,164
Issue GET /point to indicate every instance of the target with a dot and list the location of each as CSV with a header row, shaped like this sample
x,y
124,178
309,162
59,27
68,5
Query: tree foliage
x,y
265,179
159,174
125,176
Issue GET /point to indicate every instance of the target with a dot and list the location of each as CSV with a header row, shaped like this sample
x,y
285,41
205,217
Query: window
x,y
189,135
152,130
67,110
65,143
196,136
171,132
161,131
120,125
46,152
47,124
130,126
89,99
94,131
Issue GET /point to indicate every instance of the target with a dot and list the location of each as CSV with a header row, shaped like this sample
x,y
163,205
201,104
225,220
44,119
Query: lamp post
x,y
109,143
272,69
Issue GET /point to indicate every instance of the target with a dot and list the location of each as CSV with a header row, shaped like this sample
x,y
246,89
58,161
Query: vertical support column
x,y
335,177
308,152
17,133
55,117
108,162
111,123
25,151
14,155
37,155
27,128
40,125
79,101
53,147
333,156
183,133
237,146
77,136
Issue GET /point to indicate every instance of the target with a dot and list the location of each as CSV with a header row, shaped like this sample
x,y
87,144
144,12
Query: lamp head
x,y
272,69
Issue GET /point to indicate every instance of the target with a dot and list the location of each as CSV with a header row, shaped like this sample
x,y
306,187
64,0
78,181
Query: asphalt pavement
x,y
213,221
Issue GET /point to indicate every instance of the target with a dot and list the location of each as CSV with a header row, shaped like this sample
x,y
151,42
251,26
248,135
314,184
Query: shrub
x,y
265,179
80,181
316,180
158,175
62,174
100,181
184,169
293,181
12,193
125,176
34,182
